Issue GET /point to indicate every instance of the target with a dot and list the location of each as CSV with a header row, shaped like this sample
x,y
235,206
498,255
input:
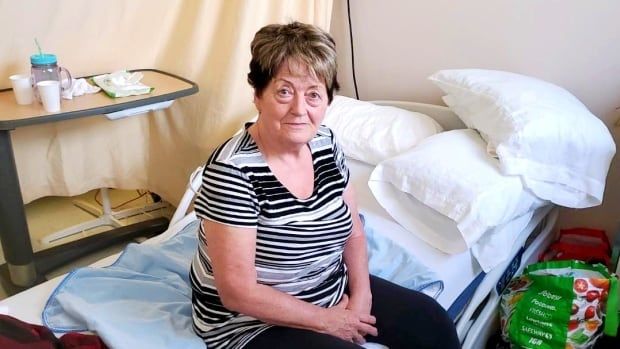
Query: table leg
x,y
14,234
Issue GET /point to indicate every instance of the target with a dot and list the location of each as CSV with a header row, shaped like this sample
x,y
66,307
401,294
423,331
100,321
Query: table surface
x,y
166,87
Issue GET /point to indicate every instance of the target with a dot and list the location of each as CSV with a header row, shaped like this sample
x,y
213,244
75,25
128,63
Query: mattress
x,y
460,272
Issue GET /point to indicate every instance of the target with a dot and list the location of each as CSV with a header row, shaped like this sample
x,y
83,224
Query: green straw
x,y
38,46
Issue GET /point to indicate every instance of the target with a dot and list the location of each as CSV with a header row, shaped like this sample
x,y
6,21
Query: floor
x,y
51,214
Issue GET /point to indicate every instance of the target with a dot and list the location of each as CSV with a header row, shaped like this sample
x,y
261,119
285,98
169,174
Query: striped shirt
x,y
299,242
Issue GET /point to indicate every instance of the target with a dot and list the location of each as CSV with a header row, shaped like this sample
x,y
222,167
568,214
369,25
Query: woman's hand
x,y
348,324
361,304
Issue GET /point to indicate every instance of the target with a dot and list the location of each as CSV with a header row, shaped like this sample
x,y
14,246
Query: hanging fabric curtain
x,y
206,41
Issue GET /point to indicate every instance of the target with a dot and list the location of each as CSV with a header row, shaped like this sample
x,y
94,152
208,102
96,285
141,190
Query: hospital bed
x,y
470,295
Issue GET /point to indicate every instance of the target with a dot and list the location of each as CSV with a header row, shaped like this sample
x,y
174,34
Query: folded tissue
x,y
122,83
78,88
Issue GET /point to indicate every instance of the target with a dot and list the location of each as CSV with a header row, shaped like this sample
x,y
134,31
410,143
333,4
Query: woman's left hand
x,y
360,303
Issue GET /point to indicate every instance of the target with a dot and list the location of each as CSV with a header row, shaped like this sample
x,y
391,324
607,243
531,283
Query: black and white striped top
x,y
299,242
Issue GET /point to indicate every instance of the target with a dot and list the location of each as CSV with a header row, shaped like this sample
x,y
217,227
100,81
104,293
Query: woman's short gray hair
x,y
276,44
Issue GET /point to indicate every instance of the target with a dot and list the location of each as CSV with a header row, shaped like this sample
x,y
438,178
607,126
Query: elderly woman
x,y
282,257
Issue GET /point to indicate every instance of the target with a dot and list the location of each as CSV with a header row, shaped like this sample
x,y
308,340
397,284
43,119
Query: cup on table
x,y
49,91
22,88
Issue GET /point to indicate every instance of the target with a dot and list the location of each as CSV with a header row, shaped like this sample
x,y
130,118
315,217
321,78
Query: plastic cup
x,y
22,89
49,91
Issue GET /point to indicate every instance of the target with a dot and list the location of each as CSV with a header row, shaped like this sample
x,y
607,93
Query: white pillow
x,y
372,133
538,130
452,173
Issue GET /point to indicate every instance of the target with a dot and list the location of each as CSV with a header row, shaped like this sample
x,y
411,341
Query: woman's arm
x,y
232,252
356,259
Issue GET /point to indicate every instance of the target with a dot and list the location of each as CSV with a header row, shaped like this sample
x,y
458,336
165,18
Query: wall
x,y
572,43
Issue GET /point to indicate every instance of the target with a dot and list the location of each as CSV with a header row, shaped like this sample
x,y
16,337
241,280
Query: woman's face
x,y
292,106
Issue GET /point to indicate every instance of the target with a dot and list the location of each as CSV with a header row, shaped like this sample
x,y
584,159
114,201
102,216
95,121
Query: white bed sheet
x,y
456,271
28,305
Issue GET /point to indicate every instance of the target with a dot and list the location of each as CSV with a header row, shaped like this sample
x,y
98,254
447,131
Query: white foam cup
x,y
22,88
49,91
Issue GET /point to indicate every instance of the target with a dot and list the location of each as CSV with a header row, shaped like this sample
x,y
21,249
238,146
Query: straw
x,y
38,46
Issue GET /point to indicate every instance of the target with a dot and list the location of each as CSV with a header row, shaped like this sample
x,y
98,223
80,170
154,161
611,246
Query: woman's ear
x,y
256,103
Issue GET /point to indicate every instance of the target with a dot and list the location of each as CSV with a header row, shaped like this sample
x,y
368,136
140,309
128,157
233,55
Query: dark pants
x,y
405,319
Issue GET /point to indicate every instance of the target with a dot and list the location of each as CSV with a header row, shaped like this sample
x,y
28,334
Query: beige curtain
x,y
204,41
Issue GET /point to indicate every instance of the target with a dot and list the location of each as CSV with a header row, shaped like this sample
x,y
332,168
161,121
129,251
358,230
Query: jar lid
x,y
45,58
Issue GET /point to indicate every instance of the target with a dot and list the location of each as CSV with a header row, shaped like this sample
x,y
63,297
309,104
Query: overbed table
x,y
26,268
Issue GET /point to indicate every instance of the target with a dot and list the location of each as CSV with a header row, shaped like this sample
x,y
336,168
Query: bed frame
x,y
478,320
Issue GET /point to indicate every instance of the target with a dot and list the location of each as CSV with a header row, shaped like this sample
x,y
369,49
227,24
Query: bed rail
x,y
443,115
475,331
195,181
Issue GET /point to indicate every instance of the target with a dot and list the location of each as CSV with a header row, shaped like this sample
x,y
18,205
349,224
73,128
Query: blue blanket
x,y
390,261
143,300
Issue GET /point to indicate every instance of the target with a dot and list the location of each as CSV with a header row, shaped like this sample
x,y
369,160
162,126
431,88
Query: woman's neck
x,y
273,149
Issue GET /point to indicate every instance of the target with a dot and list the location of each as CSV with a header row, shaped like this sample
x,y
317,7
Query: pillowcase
x,y
451,173
537,130
372,133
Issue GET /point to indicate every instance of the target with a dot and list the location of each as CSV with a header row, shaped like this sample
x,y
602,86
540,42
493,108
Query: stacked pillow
x,y
452,173
372,133
417,167
538,131
528,142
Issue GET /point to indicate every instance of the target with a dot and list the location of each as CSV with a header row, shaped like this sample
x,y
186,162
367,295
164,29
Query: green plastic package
x,y
122,84
559,305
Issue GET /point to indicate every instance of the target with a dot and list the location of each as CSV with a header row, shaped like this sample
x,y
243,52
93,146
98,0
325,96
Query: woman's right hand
x,y
346,324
